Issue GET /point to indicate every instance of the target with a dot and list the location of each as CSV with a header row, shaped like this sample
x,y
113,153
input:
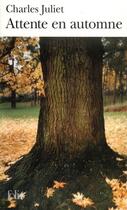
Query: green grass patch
x,y
23,110
116,104
108,100
115,114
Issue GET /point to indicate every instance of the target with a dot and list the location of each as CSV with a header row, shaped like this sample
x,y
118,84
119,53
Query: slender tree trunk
x,y
13,99
121,85
71,117
104,85
115,83
35,97
126,87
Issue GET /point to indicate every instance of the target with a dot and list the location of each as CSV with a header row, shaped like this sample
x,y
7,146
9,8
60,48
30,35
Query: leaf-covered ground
x,y
16,139
17,136
116,131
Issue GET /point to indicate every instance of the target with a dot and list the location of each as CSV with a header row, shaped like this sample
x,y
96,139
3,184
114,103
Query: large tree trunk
x,y
71,117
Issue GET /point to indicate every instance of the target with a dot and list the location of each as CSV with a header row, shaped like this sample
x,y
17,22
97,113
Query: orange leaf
x,y
49,193
58,185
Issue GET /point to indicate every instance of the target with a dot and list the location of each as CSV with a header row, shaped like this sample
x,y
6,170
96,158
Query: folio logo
x,y
16,194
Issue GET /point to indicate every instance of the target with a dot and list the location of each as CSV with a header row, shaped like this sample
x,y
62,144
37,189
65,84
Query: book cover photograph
x,y
63,109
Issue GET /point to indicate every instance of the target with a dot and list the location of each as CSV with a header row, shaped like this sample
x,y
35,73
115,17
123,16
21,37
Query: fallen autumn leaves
x,y
18,136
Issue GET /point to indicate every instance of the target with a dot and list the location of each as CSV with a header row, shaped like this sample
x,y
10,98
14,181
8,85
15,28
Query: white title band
x,y
52,18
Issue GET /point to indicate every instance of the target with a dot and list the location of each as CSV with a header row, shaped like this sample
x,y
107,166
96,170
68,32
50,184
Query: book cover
x,y
63,105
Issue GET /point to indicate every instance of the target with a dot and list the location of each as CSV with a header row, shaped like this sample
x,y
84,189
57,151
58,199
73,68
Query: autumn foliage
x,y
20,68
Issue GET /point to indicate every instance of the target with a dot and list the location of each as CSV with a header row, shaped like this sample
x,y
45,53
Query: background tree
x,y
115,65
21,71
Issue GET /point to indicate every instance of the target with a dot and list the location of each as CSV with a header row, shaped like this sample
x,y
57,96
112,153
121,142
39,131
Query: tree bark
x,y
71,118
